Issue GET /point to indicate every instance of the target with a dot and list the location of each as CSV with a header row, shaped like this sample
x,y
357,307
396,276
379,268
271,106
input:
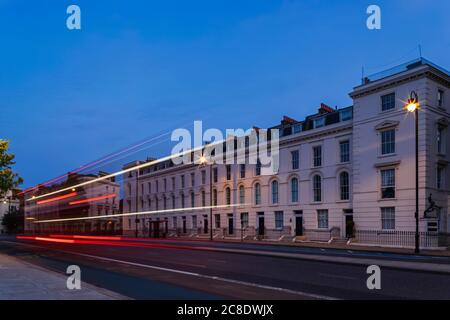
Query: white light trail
x,y
141,213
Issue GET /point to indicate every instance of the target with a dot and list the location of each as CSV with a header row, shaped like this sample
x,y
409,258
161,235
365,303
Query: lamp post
x,y
204,162
413,105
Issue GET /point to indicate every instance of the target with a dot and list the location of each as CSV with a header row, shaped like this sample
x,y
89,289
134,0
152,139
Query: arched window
x,y
182,199
294,190
228,196
215,197
274,191
257,194
241,195
317,188
344,185
203,198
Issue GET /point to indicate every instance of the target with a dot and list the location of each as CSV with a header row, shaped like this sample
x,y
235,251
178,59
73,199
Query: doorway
x,y
349,224
261,226
298,225
230,224
205,224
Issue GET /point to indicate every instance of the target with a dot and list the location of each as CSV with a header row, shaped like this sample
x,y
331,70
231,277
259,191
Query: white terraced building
x,y
343,173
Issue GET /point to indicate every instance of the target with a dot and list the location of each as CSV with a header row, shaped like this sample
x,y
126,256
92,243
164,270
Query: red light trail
x,y
69,195
112,195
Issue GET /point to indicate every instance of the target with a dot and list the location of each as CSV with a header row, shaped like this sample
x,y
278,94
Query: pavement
x,y
20,280
181,269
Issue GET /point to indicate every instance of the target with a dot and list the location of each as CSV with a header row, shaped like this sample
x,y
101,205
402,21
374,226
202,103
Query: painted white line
x,y
329,275
188,273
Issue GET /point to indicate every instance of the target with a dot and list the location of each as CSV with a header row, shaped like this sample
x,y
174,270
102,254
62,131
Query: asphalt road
x,y
176,271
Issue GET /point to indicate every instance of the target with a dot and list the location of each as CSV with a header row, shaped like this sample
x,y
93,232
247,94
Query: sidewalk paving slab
x,y
20,280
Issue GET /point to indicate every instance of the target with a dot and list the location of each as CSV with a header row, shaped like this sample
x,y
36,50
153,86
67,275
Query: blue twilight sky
x,y
142,67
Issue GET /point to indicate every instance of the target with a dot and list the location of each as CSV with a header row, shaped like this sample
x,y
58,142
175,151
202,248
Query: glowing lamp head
x,y
413,103
203,160
412,106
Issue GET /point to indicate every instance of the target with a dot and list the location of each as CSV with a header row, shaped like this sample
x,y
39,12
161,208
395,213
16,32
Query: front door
x,y
230,225
261,225
349,226
205,225
184,225
298,226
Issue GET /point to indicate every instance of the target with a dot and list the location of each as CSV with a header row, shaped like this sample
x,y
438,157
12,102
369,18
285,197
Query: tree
x,y
13,221
8,179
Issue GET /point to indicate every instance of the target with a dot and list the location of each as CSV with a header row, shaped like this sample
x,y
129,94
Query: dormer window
x,y
346,114
319,122
297,128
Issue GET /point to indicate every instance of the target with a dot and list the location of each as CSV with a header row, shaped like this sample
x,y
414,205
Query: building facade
x,y
343,174
100,198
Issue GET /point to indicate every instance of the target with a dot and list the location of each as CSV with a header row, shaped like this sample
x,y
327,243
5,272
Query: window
x,y
215,197
388,102
294,190
344,150
258,168
192,200
317,188
182,181
344,185
297,128
244,219
164,202
215,174
322,219
194,222
228,196
440,98
346,114
173,202
203,198
203,176
173,183
156,203
317,156
388,141
440,140
241,195
295,159
279,223
319,122
388,218
242,171
228,172
193,179
157,185
257,194
149,187
388,184
182,199
217,220
274,185
439,177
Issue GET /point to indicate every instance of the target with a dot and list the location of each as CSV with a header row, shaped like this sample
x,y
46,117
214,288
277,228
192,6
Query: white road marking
x,y
194,274
329,275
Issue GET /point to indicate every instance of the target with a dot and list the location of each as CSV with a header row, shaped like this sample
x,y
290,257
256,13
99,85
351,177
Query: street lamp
x,y
413,105
204,162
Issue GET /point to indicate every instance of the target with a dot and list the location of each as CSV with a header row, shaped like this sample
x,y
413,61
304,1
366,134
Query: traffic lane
x,y
331,279
266,247
99,273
